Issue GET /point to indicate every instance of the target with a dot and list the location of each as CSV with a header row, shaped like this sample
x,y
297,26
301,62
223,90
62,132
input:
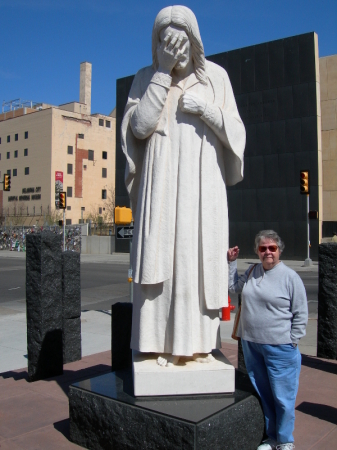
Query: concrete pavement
x,y
35,415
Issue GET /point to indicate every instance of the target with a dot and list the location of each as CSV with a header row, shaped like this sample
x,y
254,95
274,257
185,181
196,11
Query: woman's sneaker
x,y
268,444
288,446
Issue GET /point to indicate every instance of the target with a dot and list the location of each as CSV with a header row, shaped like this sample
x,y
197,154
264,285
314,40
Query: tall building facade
x,y
47,149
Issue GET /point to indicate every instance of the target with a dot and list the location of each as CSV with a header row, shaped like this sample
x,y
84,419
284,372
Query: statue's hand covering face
x,y
184,140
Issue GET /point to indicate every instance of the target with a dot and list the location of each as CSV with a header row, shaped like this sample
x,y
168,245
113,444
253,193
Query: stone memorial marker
x,y
44,305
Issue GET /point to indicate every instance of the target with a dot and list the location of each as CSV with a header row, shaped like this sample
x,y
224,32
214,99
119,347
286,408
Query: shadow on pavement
x,y
323,412
319,364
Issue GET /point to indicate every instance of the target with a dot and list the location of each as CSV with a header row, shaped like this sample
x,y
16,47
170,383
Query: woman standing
x,y
274,315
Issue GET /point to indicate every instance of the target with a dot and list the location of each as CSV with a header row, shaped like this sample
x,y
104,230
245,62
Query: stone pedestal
x,y
327,302
71,306
105,414
44,305
186,378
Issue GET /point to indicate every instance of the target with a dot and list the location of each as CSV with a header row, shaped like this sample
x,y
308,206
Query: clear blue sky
x,y
43,42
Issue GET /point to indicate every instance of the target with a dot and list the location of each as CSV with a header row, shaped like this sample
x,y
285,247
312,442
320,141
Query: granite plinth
x,y
121,324
327,302
71,306
186,378
105,414
44,305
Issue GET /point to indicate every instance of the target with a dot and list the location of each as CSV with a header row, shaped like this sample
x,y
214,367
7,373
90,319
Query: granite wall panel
x,y
275,89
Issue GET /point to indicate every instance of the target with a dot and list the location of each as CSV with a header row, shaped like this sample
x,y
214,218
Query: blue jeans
x,y
274,371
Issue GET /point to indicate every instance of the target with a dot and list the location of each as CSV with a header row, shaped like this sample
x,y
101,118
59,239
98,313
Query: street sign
x,y
125,232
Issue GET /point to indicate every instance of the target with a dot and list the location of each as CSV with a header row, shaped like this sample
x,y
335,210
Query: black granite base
x,y
104,414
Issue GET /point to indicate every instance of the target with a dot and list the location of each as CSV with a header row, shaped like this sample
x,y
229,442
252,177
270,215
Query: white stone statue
x,y
184,142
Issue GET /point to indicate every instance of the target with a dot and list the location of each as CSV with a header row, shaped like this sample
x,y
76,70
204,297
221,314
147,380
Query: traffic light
x,y
7,182
123,215
304,180
62,200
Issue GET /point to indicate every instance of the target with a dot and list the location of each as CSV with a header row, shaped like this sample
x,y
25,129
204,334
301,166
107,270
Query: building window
x,y
15,172
70,149
8,138
68,208
104,155
25,152
0,156
101,122
8,155
16,153
104,171
108,123
85,167
90,155
16,137
26,170
68,221
99,210
69,169
103,194
9,172
80,136
26,134
69,191
0,140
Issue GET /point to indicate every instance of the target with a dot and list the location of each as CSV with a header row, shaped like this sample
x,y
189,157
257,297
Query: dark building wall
x,y
276,92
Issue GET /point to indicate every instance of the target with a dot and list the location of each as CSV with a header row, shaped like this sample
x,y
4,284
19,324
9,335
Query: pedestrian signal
x,y
62,200
123,215
304,180
7,182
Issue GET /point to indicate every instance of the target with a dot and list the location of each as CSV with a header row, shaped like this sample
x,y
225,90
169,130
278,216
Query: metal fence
x,y
14,238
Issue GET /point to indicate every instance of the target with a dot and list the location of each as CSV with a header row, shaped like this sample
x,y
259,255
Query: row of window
x,y
16,154
15,172
90,153
16,137
101,123
70,170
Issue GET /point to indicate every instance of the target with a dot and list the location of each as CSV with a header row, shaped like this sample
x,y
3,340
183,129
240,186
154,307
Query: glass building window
x,y
104,155
16,153
108,123
8,138
68,208
9,172
69,169
99,210
104,172
25,152
26,134
16,137
15,172
8,155
80,136
90,155
70,149
101,122
68,221
103,194
69,191
26,170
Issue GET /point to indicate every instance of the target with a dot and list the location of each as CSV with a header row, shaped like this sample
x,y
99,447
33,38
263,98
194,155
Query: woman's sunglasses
x,y
271,248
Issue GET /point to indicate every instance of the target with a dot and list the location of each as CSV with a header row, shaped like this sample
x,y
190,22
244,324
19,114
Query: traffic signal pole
x,y
308,261
64,230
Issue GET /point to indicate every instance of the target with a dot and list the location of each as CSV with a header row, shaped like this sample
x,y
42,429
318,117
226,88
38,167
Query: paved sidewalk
x,y
36,415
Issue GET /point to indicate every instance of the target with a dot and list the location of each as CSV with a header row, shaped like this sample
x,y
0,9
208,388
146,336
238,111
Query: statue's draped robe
x,y
178,165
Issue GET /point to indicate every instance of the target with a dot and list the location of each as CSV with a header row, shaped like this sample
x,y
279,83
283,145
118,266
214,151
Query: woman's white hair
x,y
182,17
268,234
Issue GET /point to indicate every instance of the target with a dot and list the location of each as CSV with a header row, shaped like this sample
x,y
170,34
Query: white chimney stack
x,y
85,84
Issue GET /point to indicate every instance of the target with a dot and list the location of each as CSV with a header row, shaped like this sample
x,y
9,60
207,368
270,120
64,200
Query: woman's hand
x,y
190,103
233,253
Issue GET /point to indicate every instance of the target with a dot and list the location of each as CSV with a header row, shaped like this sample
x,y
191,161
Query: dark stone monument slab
x,y
71,306
44,305
327,302
104,414
121,323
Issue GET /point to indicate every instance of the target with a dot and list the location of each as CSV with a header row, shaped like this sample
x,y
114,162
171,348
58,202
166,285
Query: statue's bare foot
x,y
203,357
167,362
